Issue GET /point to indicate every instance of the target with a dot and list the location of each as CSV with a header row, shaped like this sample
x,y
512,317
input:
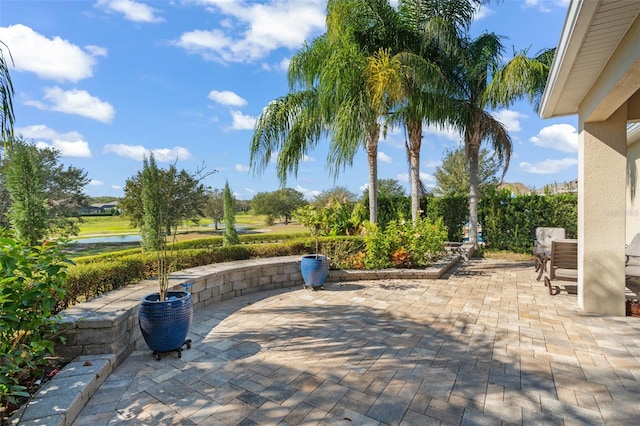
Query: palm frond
x,y
521,77
7,117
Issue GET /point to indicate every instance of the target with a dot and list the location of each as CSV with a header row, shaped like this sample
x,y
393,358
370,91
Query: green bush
x,y
404,244
452,209
32,281
509,222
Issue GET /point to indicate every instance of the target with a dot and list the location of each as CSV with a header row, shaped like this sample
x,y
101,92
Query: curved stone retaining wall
x,y
101,333
109,324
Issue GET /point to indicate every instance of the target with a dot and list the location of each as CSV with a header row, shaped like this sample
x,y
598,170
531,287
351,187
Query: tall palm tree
x,y
330,96
482,83
6,95
430,31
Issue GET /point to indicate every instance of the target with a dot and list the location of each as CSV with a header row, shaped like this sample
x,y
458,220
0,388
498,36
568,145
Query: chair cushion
x,y
544,236
566,274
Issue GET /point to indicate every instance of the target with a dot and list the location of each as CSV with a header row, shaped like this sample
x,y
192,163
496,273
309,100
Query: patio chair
x,y
632,261
562,264
542,246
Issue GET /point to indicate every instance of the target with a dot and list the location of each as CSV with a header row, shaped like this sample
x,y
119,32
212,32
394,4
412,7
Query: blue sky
x,y
107,81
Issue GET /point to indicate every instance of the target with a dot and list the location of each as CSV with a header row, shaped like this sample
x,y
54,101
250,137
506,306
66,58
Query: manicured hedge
x,y
86,280
509,222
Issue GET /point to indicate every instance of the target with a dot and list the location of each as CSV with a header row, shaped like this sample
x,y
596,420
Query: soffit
x,y
591,34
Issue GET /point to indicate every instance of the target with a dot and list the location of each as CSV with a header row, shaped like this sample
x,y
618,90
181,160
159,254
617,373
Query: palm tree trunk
x,y
473,193
414,130
372,157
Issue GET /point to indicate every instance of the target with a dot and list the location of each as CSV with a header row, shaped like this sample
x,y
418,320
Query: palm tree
x,y
330,96
6,94
430,31
482,83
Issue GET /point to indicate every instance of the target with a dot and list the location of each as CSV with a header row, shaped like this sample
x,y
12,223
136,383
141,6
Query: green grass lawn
x,y
105,225
93,226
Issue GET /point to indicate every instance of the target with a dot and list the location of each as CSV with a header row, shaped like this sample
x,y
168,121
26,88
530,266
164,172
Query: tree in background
x,y
6,95
61,188
452,177
387,188
158,200
214,208
339,193
277,204
25,184
230,235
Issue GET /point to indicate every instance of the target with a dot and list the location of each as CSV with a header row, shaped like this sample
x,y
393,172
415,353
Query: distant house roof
x,y
108,205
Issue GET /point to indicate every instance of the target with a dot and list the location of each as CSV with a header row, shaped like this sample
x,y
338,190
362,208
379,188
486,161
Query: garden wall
x,y
109,323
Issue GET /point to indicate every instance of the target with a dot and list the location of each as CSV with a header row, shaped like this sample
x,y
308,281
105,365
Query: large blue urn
x,y
315,269
165,324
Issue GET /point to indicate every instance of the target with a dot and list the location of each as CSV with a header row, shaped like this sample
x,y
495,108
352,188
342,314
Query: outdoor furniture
x,y
542,246
562,263
632,261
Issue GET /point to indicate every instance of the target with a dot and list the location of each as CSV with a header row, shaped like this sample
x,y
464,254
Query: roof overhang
x,y
596,67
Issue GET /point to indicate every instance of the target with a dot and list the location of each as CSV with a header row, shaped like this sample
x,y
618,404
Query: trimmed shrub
x,y
509,222
404,244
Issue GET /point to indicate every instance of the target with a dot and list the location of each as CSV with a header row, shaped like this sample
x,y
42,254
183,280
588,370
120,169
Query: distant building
x,y
559,188
516,188
101,208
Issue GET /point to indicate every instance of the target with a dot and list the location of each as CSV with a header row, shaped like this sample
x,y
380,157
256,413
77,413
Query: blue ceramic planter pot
x,y
315,269
165,324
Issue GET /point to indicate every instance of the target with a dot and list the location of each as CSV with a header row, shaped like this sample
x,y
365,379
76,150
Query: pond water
x,y
109,239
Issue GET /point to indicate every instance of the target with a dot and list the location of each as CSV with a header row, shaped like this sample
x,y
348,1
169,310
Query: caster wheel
x,y
188,345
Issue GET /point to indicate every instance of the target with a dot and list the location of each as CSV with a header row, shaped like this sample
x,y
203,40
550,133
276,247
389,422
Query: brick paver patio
x,y
484,345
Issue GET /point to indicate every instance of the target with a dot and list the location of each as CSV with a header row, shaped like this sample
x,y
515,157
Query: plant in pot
x,y
314,267
164,316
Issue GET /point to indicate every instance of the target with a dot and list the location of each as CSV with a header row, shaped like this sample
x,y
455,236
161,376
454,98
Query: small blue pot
x,y
315,269
165,324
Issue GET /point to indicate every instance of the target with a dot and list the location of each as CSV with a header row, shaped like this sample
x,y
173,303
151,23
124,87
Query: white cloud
x,y
96,50
263,27
562,137
117,187
242,121
70,144
446,132
432,164
510,119
250,191
548,167
138,152
425,177
227,97
54,59
133,11
309,194
78,102
242,168
282,66
94,182
482,12
384,157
